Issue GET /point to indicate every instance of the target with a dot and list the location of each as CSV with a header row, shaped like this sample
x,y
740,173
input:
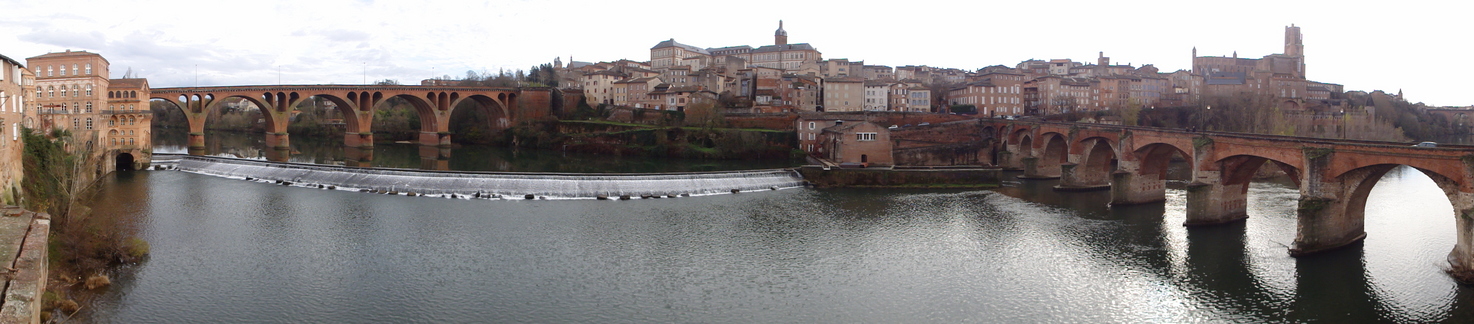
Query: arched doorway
x,y
123,162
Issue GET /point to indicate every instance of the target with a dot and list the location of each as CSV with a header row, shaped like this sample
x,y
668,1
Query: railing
x,y
121,112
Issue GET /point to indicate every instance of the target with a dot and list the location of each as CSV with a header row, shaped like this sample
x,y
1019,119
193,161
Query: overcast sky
x,y
1386,45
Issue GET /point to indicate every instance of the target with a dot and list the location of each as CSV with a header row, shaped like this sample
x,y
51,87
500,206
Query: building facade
x,y
15,85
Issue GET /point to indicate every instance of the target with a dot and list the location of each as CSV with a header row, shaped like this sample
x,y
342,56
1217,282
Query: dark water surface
x,y
227,250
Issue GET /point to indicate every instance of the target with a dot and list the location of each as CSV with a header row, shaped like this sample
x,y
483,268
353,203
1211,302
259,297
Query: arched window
x,y
63,91
74,68
132,94
38,92
110,107
89,68
89,123
89,90
75,123
76,107
130,107
48,70
76,91
89,107
111,123
63,107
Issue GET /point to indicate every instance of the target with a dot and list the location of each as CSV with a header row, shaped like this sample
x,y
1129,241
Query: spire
x,y
780,37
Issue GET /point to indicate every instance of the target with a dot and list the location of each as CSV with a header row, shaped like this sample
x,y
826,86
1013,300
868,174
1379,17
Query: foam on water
x,y
494,184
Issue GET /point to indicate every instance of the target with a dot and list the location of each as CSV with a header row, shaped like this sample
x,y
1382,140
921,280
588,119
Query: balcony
x,y
126,112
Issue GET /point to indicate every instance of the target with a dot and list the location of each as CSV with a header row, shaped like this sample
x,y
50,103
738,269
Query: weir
x,y
492,184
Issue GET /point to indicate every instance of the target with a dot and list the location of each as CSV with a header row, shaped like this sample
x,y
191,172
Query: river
x,y
236,251
329,150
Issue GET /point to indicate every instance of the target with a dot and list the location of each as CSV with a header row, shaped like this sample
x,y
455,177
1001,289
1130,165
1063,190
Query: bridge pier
x,y
1216,203
1461,259
196,143
278,140
434,139
1009,160
1331,211
1032,170
1076,177
1129,186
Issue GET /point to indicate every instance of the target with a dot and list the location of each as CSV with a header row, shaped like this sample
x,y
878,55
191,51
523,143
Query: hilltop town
x,y
796,77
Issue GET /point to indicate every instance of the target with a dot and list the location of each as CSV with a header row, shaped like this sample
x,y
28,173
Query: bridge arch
x,y
1053,153
1155,158
1094,166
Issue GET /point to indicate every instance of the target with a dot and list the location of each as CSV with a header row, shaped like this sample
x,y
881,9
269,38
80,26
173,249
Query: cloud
x,y
341,35
66,38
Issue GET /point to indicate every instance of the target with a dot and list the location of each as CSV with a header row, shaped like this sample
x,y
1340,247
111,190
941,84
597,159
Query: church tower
x,y
1295,48
1294,45
780,37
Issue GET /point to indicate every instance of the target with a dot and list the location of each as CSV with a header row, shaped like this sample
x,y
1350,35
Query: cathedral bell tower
x,y
780,37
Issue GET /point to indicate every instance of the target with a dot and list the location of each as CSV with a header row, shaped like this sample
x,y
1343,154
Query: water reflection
x,y
321,150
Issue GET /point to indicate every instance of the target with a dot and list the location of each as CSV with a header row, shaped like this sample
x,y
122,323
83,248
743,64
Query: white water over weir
x,y
510,185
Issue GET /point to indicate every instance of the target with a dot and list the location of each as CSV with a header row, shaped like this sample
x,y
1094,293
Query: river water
x,y
330,150
236,251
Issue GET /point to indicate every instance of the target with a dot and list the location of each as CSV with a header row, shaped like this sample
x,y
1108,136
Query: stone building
x,y
877,95
856,142
73,89
128,141
15,84
993,94
844,94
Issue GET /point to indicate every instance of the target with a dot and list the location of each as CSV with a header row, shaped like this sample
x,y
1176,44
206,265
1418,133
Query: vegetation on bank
x,y
614,138
59,178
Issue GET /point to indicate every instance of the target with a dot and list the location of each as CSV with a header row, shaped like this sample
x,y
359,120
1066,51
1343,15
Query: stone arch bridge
x,y
433,104
1334,176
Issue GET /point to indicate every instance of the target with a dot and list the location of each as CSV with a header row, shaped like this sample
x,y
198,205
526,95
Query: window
x,y
76,91
89,107
75,123
38,92
89,123
865,136
63,91
74,69
89,87
89,68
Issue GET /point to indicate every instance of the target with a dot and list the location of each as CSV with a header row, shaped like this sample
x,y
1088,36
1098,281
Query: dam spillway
x,y
493,184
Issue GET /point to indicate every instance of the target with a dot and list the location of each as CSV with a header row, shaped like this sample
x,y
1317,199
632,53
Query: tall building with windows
x,y
75,94
15,83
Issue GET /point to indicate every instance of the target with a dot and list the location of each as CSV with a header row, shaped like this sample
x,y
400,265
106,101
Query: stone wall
x,y
974,153
920,178
27,282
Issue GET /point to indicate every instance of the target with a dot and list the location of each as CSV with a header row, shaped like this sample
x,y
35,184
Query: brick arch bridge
x,y
1334,176
433,104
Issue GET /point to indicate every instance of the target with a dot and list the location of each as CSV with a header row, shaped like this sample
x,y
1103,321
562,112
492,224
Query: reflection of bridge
x,y
433,104
1334,176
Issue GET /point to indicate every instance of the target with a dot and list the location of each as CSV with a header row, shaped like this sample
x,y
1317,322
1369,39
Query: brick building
x,y
15,84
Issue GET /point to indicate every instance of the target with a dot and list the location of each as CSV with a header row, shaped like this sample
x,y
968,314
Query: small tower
x,y
780,37
1102,60
1294,43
